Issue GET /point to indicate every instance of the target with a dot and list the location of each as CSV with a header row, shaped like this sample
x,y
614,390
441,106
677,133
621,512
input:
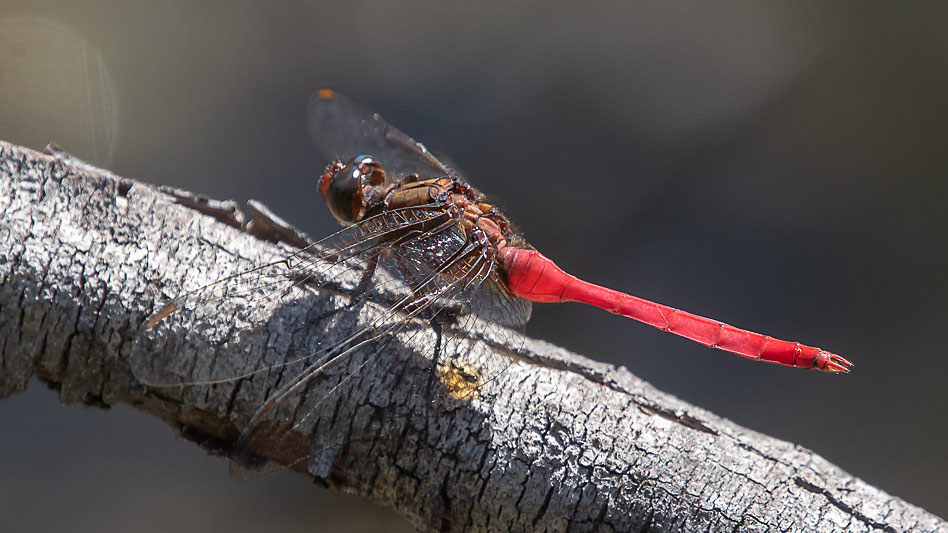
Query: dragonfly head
x,y
344,184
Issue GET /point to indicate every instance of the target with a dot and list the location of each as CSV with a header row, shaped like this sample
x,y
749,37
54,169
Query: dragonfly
x,y
443,267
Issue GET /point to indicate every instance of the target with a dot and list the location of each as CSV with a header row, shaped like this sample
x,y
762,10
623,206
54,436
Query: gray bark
x,y
557,441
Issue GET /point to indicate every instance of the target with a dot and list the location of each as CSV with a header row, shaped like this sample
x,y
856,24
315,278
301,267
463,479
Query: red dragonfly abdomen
x,y
534,277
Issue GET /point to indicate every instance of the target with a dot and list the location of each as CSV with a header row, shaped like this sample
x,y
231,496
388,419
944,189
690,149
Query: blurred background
x,y
779,166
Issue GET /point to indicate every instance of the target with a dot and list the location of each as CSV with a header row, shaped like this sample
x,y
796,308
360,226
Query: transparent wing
x,y
341,129
256,320
430,288
434,314
475,317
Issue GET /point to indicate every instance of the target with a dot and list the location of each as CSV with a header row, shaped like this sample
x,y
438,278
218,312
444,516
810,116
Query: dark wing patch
x,y
341,129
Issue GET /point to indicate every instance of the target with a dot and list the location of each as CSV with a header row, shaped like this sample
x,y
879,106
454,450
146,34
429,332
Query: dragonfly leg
x,y
369,271
436,356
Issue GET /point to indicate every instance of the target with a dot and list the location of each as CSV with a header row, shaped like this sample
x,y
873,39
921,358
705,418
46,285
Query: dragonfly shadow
x,y
394,391
306,393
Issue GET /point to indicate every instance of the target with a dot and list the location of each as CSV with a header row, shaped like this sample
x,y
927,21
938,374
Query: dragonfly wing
x,y
453,168
482,341
227,318
294,414
478,319
340,129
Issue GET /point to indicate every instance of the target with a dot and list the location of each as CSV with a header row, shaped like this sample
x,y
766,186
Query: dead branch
x,y
558,441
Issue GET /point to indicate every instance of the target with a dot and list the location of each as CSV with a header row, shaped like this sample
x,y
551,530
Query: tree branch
x,y
556,441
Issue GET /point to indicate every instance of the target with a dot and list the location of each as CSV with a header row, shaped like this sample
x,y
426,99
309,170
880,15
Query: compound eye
x,y
343,187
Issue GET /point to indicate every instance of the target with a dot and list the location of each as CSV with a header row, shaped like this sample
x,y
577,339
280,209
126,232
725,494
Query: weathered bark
x,y
556,441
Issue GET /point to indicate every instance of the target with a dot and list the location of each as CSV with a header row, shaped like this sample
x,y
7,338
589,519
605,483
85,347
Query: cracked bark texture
x,y
557,442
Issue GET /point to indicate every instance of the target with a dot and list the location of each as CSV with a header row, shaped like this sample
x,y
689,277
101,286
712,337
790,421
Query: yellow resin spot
x,y
461,382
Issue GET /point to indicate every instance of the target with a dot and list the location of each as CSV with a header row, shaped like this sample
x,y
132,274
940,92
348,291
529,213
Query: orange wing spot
x,y
326,94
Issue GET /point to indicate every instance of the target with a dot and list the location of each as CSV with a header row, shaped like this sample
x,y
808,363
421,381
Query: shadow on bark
x,y
557,441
